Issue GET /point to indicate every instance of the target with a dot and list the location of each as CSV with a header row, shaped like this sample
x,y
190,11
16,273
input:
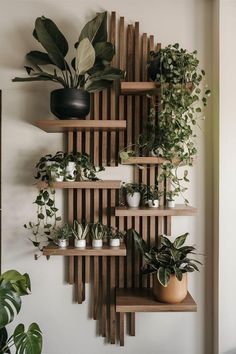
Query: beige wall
x,y
66,326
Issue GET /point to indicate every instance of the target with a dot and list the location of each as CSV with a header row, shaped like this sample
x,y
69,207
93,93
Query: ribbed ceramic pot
x,y
80,243
133,200
97,243
153,203
70,103
114,242
171,203
175,292
62,243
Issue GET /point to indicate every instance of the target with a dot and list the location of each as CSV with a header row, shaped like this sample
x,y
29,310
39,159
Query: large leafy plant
x,y
13,285
168,258
90,69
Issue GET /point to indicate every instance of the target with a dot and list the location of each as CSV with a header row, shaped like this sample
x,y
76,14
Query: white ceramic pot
x,y
170,203
153,154
70,171
97,243
133,200
114,242
153,203
62,243
80,243
57,175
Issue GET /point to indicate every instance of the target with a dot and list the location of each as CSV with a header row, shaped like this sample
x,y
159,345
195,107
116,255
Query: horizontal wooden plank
x,y
147,160
142,300
60,126
106,250
104,184
142,88
178,210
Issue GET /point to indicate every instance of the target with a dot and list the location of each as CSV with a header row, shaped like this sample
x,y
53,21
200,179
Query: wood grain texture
x,y
105,184
61,126
142,88
178,210
142,300
70,206
106,250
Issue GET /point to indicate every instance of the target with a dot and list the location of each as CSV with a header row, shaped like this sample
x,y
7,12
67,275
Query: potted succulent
x,y
62,235
170,198
169,263
98,233
114,236
90,69
151,196
132,192
80,233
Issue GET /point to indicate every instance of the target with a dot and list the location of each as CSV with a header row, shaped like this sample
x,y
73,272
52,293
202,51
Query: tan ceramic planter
x,y
176,290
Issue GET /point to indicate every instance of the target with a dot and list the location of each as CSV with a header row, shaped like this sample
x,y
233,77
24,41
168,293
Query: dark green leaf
x,y
93,86
41,216
52,40
104,51
163,276
179,241
96,29
29,342
10,303
3,340
38,58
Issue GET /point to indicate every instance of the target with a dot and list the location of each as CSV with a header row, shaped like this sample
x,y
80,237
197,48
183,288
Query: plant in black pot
x,y
90,69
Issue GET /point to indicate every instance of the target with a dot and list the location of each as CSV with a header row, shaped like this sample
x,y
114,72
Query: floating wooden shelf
x,y
142,300
178,210
105,184
106,250
60,126
142,88
147,160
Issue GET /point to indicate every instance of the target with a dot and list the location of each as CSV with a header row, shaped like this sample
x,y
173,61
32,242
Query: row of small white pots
x,y
58,175
115,242
133,201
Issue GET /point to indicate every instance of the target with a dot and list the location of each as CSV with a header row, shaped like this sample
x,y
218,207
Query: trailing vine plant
x,y
174,113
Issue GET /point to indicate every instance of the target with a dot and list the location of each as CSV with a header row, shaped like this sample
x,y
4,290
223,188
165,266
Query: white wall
x,y
227,264
66,326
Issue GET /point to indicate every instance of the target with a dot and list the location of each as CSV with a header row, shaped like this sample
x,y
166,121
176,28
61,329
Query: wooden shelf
x,y
60,126
142,88
142,300
178,210
147,160
105,184
106,250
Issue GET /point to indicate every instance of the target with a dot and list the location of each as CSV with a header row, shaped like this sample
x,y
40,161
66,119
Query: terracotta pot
x,y
175,292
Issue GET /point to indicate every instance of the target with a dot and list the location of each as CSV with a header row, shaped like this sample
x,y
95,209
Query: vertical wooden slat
x,y
79,280
113,156
104,133
112,301
122,67
136,116
132,324
122,329
96,133
95,286
104,296
71,275
129,78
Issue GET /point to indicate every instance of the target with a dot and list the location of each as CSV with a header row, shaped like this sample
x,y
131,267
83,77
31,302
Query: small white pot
x,y
153,154
97,243
57,175
62,243
80,243
114,242
70,171
153,203
170,203
133,200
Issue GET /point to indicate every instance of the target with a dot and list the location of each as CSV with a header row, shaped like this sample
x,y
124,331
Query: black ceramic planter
x,y
70,103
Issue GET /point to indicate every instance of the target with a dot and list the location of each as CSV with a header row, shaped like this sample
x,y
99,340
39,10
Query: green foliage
x,y
63,232
98,231
169,132
131,188
166,259
12,286
80,231
114,233
91,68
151,193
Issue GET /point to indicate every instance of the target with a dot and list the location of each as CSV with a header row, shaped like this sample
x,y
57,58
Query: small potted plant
x,y
170,198
132,192
90,69
62,235
70,167
51,168
98,233
151,196
114,236
169,263
80,233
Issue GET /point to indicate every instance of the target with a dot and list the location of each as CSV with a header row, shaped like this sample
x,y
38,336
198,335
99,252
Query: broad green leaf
x,y
165,241
104,51
85,57
108,73
10,303
178,273
28,342
52,40
163,276
3,341
19,282
32,78
38,58
96,29
93,86
179,241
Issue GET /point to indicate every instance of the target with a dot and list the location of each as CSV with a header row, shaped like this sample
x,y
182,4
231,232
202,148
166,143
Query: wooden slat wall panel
x,y
113,98
70,200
